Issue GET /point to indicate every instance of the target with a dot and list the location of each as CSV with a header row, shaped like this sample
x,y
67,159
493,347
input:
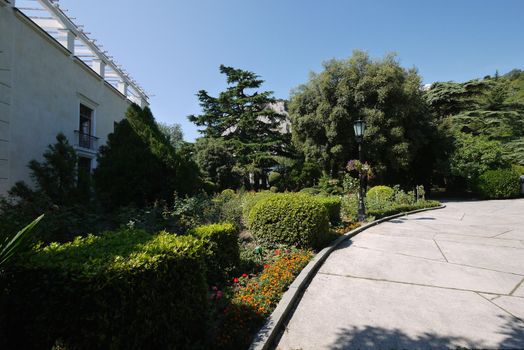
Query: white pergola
x,y
48,15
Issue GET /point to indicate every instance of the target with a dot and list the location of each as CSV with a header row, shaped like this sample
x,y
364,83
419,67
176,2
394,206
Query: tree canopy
x,y
138,165
241,123
381,92
489,107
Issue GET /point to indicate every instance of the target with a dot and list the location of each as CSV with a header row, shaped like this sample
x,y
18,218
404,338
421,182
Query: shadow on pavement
x,y
380,338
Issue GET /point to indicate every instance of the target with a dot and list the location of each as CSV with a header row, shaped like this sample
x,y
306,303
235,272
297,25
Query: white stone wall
x,y
41,88
5,93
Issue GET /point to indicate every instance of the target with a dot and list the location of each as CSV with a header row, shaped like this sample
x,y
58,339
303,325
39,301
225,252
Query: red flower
x,y
235,280
266,266
244,275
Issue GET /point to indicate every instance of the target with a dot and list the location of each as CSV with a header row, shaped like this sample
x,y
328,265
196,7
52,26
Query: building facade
x,y
54,79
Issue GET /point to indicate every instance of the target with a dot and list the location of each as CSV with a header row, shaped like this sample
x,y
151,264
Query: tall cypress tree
x,y
138,165
242,118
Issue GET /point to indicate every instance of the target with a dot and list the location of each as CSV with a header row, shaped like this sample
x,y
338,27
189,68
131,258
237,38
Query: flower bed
x,y
241,310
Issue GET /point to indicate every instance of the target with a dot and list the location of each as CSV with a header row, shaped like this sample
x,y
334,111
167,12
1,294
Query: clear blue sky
x,y
173,48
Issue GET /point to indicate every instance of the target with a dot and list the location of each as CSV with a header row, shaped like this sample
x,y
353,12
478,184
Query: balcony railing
x,y
86,141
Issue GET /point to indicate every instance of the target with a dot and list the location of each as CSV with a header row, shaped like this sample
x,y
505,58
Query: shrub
x,y
500,183
274,178
122,290
393,209
518,168
249,201
310,190
289,218
228,208
221,241
228,192
349,207
329,185
380,193
333,206
378,209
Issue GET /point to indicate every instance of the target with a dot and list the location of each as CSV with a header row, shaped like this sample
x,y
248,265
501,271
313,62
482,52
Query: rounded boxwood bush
x,y
380,193
289,218
499,183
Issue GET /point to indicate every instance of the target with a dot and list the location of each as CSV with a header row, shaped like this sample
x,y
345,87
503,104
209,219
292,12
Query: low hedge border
x,y
268,333
128,296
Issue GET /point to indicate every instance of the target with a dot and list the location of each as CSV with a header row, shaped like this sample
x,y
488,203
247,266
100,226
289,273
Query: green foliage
x,y
329,185
228,192
215,158
311,190
380,204
138,165
474,155
274,177
184,214
380,212
350,184
239,123
123,290
13,244
382,193
388,97
349,208
491,109
290,218
56,193
333,206
221,241
518,168
173,133
249,200
499,183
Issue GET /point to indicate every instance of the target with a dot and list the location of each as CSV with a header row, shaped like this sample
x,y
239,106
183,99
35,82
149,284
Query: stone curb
x,y
265,337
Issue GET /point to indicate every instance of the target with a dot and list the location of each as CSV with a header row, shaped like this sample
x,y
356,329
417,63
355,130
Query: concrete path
x,y
440,279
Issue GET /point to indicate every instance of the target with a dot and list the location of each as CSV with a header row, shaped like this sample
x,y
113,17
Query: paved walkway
x,y
440,279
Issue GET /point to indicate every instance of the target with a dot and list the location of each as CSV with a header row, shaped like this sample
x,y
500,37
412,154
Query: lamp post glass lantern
x,y
360,126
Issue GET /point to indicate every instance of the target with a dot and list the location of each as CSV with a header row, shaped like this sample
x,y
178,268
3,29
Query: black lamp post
x,y
360,127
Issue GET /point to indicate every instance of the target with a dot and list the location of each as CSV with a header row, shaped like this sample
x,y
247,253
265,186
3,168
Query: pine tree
x,y
242,118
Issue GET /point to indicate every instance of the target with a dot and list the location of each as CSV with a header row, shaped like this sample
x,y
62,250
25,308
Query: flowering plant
x,y
253,297
363,169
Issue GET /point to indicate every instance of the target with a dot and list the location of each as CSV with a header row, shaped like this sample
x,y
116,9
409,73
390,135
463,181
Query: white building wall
x,y
41,88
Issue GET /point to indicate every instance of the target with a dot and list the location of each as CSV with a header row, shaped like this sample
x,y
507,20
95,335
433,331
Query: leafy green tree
x,y
215,158
491,107
174,134
138,165
381,92
475,155
247,127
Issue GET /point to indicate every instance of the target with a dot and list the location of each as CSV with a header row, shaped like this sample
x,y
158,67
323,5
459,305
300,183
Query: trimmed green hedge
x,y
221,241
289,218
122,290
380,193
333,205
250,200
500,183
400,208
